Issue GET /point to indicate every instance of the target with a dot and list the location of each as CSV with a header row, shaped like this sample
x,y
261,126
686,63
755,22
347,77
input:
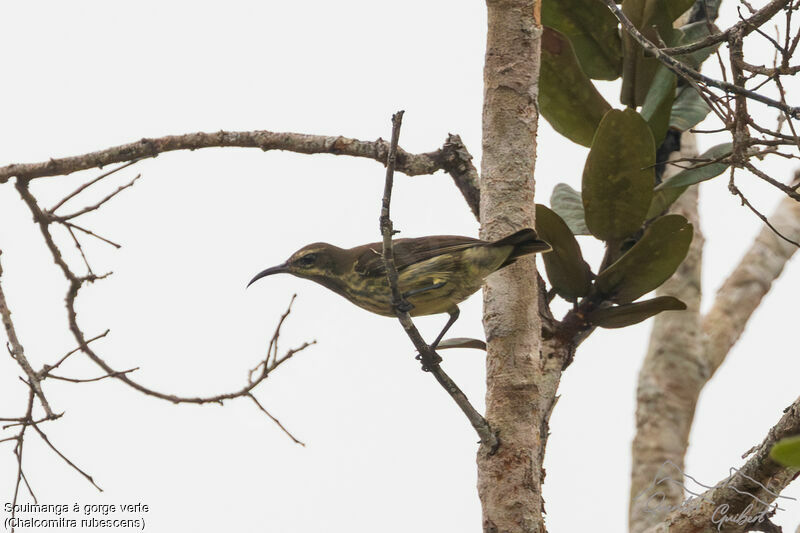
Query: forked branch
x,y
430,359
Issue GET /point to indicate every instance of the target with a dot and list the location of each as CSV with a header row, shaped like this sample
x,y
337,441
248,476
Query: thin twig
x,y
789,191
96,206
277,422
80,249
19,353
93,234
90,380
758,18
18,452
430,359
48,368
58,452
688,73
735,191
75,283
83,187
452,157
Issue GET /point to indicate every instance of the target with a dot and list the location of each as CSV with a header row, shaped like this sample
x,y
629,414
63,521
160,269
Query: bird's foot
x,y
404,306
432,359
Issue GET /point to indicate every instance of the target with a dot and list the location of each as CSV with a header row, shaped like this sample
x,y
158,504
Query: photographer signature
x,y
653,497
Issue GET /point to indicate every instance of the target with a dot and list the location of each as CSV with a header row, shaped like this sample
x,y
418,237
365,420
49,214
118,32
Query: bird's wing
x,y
410,251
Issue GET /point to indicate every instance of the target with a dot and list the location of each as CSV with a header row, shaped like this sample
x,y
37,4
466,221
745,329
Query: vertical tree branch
x,y
509,481
671,376
430,359
17,352
686,349
749,282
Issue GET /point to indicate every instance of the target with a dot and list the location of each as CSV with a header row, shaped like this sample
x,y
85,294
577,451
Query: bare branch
x,y
277,422
90,380
18,353
748,283
430,359
735,190
689,73
48,368
93,207
70,225
89,270
452,157
743,26
85,186
75,283
757,483
64,457
671,376
18,452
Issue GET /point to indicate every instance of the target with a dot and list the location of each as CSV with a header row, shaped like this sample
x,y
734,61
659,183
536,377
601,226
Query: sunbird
x,y
434,274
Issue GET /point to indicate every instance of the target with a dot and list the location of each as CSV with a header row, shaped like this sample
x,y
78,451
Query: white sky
x,y
387,450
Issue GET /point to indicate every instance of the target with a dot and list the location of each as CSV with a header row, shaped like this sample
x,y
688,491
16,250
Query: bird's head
x,y
314,261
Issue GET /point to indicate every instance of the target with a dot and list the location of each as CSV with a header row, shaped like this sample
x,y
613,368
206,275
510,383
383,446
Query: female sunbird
x,y
434,273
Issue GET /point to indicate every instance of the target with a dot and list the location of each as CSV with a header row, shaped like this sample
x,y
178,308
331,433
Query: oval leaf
x,y
568,273
662,199
653,18
649,262
462,342
567,97
787,451
592,30
618,176
567,204
620,316
701,171
658,104
692,33
688,110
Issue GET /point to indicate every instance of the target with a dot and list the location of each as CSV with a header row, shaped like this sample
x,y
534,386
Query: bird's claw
x,y
436,359
405,306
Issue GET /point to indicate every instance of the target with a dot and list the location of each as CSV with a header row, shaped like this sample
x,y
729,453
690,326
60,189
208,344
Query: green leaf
x,y
621,316
618,176
462,342
700,171
669,191
688,110
568,273
592,30
637,70
662,199
649,262
658,104
567,97
787,451
692,33
653,18
690,107
676,8
567,204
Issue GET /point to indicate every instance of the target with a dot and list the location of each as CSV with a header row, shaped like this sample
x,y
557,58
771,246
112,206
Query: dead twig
x,y
430,359
18,353
452,157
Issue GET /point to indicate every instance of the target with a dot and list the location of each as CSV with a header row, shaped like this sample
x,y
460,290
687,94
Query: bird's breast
x,y
436,285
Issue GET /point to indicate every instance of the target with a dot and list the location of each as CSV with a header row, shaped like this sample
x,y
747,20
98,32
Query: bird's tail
x,y
524,241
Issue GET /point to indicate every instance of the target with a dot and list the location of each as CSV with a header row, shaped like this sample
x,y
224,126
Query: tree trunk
x,y
670,380
510,478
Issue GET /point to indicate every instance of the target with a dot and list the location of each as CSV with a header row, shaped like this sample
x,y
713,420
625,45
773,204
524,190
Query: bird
x,y
434,273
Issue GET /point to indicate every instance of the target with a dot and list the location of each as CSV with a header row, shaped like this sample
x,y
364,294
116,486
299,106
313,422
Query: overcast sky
x,y
387,450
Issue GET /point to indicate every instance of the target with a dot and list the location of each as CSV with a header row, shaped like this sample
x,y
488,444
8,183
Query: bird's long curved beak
x,y
268,272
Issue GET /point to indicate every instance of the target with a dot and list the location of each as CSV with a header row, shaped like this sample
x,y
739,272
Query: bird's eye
x,y
307,260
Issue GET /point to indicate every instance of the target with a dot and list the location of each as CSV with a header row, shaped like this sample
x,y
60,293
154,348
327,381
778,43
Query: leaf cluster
x,y
622,202
642,252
